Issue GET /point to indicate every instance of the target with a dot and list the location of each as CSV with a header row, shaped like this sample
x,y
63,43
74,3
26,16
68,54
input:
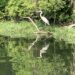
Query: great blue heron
x,y
45,20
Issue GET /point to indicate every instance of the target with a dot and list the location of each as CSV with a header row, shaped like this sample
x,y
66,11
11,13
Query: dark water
x,y
5,64
58,60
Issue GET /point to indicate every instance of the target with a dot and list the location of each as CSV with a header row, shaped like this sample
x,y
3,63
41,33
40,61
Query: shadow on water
x,y
59,53
5,64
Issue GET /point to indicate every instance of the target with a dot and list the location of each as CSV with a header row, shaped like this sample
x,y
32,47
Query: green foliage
x,y
51,5
1,15
57,60
3,4
22,29
21,8
55,10
27,29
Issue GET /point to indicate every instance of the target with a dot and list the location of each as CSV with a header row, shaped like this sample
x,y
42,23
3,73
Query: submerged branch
x,y
33,43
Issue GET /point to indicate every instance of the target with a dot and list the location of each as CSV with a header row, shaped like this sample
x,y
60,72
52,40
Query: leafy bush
x,y
20,8
54,10
51,5
57,10
1,15
3,4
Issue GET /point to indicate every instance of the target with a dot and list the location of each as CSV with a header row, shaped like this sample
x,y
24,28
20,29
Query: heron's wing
x,y
45,20
43,50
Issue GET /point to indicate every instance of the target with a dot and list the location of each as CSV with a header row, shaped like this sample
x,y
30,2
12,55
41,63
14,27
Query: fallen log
x,y
72,25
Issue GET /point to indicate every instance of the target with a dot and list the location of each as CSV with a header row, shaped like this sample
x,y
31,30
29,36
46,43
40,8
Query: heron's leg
x,y
40,55
45,24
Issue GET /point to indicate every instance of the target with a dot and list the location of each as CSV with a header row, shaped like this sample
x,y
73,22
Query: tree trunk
x,y
73,3
37,4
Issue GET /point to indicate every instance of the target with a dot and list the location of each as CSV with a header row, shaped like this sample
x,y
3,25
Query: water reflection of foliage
x,y
58,59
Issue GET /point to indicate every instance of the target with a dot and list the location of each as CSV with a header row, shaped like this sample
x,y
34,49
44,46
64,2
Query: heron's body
x,y
43,50
44,18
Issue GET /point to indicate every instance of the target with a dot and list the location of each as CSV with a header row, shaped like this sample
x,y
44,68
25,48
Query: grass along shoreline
x,y
59,55
26,30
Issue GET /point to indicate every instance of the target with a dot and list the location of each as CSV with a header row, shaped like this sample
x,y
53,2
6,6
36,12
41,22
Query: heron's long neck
x,y
40,14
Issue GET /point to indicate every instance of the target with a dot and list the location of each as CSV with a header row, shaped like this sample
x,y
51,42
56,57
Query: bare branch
x,y
32,22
